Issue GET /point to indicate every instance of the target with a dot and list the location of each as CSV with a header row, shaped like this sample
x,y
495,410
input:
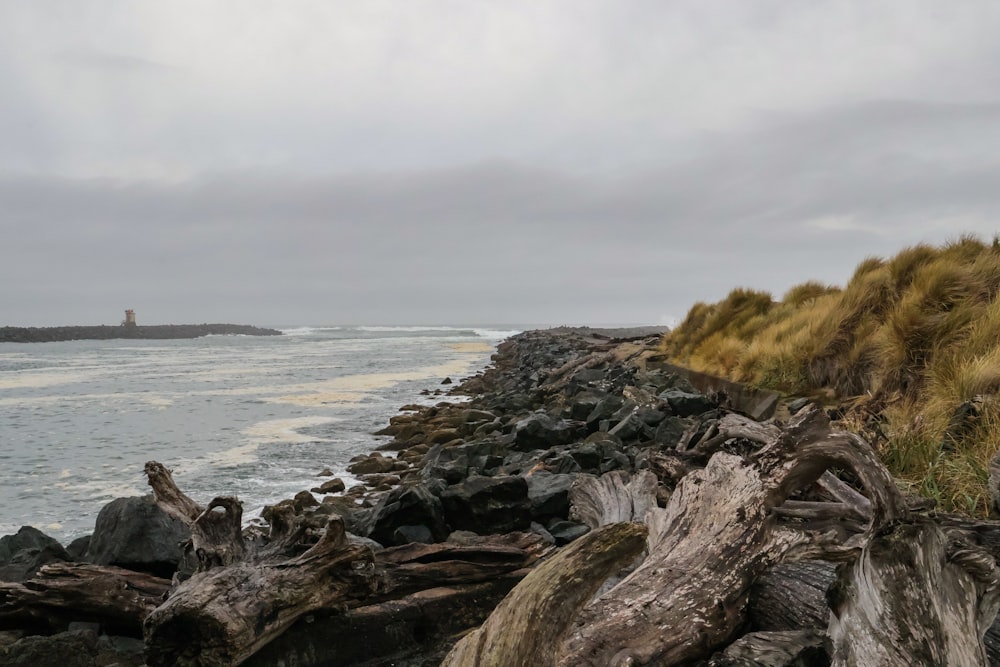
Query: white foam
x,y
286,430
496,334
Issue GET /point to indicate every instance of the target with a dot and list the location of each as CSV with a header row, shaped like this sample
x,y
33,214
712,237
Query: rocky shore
x,y
579,457
149,332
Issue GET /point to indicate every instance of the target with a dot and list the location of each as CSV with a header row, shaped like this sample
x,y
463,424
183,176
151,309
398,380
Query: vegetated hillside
x,y
911,344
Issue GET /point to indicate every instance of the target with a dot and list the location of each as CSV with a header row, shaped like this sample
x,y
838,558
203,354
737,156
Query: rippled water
x,y
257,417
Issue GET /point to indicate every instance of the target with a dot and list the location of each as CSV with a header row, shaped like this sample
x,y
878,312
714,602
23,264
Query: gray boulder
x,y
488,505
136,534
27,550
416,505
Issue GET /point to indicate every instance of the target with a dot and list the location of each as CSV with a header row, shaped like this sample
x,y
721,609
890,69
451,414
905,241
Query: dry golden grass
x,y
915,336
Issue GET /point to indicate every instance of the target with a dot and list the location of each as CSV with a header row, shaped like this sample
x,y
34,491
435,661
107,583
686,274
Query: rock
x,y
669,431
453,464
797,405
488,505
335,485
77,549
27,550
120,651
136,534
686,404
565,532
540,431
304,499
406,506
65,649
584,404
548,495
628,428
588,456
326,472
419,533
376,463
604,409
446,381
442,436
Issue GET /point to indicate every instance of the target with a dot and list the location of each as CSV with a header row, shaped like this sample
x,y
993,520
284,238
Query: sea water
x,y
255,417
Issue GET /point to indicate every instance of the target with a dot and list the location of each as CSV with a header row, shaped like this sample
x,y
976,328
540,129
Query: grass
x,y
908,340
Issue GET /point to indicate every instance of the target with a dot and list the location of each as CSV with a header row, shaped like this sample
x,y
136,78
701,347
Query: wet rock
x,y
136,534
303,500
488,505
446,381
375,463
27,550
405,506
335,485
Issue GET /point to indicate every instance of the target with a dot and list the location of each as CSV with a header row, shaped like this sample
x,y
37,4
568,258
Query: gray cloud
x,y
526,163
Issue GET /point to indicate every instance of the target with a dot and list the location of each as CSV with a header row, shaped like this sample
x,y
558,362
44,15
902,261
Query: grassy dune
x,y
912,344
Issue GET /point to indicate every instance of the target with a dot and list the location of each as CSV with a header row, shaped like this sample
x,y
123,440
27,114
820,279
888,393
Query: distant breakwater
x,y
105,332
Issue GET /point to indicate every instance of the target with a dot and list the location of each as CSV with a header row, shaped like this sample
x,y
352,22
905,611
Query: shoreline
x,y
569,440
140,332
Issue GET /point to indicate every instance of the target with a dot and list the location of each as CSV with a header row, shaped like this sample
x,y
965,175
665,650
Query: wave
x,y
307,331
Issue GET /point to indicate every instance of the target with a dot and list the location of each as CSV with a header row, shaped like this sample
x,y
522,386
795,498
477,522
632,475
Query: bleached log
x,y
527,626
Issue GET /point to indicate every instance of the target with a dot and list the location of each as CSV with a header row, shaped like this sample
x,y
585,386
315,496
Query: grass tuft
x,y
912,339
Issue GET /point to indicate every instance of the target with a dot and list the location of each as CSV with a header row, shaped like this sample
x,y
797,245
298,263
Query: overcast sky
x,y
421,162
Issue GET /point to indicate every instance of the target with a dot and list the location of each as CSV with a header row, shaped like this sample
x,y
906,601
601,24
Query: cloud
x,y
524,162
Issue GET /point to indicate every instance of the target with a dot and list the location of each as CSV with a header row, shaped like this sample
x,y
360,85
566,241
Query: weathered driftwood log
x,y
916,595
724,527
224,615
64,592
718,534
789,648
527,626
216,536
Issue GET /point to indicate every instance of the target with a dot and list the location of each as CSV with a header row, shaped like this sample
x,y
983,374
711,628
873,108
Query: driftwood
x,y
246,595
526,627
118,599
728,524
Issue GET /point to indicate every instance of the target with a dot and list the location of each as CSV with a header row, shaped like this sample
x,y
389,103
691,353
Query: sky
x,y
457,162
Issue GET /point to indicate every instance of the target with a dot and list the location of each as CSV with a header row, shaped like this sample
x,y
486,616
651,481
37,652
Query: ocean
x,y
255,417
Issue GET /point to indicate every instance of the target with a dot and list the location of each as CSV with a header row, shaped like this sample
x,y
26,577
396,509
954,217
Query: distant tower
x,y
129,320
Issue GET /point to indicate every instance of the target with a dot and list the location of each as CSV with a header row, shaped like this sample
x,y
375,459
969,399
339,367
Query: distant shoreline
x,y
107,332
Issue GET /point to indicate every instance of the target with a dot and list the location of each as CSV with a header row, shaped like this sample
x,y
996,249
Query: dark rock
x,y
405,506
407,534
488,505
453,464
584,404
562,464
669,431
335,485
650,416
686,404
136,534
27,550
628,428
797,405
587,455
548,495
119,651
442,436
66,649
77,549
540,431
446,381
303,500
604,409
375,463
326,472
565,532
